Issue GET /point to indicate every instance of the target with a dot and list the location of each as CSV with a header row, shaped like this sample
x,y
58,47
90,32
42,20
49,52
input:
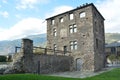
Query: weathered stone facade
x,y
27,62
80,31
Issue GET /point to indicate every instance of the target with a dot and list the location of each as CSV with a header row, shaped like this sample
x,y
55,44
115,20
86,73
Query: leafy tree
x,y
3,58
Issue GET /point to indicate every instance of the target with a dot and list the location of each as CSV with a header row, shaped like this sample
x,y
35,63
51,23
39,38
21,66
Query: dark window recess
x,y
113,50
65,49
97,43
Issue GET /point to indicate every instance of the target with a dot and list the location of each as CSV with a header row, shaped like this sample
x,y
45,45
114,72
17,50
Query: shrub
x,y
3,58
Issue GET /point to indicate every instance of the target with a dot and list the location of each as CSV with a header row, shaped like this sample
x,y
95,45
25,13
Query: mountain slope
x,y
9,46
112,37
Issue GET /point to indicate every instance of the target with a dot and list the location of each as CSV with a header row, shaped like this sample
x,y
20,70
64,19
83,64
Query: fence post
x,y
54,51
38,67
45,51
15,49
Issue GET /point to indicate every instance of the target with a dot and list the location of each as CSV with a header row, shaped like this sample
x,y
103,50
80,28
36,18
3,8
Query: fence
x,y
41,50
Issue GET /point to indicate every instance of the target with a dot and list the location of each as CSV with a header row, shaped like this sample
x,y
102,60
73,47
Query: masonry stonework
x,y
28,62
78,32
81,33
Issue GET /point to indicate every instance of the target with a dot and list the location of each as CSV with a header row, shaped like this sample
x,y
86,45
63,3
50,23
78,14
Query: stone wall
x,y
51,63
99,40
89,36
27,62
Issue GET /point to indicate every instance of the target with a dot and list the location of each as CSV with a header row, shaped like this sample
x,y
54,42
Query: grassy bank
x,y
111,75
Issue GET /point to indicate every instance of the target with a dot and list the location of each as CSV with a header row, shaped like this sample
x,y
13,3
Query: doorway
x,y
65,49
79,63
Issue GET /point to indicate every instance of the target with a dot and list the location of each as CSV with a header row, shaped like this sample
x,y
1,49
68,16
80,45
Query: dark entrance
x,y
65,49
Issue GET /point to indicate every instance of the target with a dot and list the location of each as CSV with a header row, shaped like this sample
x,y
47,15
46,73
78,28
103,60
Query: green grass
x,y
111,75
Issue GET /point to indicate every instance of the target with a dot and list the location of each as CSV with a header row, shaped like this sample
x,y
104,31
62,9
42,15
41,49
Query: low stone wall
x,y
3,67
27,62
40,64
51,63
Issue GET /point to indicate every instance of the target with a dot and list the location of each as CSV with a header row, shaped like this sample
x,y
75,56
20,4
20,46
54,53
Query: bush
x,y
3,58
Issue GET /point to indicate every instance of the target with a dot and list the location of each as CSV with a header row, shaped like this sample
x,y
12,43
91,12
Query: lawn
x,y
111,75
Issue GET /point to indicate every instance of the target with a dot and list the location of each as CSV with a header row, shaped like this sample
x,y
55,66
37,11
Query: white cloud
x,y
4,1
18,16
110,10
1,29
23,28
59,10
24,4
5,14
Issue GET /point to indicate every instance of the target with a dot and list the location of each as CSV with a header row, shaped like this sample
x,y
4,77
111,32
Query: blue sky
x,y
19,18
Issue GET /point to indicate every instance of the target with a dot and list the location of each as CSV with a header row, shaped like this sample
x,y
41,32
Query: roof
x,y
115,44
83,6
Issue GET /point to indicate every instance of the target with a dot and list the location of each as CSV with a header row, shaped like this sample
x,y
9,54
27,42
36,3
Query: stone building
x,y
80,31
112,49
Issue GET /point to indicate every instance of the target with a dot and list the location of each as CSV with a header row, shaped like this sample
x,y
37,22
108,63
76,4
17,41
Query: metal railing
x,y
45,51
51,51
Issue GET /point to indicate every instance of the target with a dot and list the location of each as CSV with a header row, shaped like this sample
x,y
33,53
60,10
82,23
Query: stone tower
x,y
80,31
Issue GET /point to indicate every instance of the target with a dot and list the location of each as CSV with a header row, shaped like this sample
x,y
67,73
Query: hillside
x,y
9,46
112,37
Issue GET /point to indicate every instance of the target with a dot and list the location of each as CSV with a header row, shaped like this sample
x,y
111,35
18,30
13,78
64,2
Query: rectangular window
x,y
73,28
53,22
96,28
113,50
73,45
54,32
55,47
97,43
71,16
61,19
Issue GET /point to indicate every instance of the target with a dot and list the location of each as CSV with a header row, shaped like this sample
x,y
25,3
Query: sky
x,y
20,18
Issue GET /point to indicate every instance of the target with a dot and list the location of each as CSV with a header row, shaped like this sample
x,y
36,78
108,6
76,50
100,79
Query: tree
x,y
3,58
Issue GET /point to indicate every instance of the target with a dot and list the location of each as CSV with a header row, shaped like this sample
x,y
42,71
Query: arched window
x,y
61,19
82,14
